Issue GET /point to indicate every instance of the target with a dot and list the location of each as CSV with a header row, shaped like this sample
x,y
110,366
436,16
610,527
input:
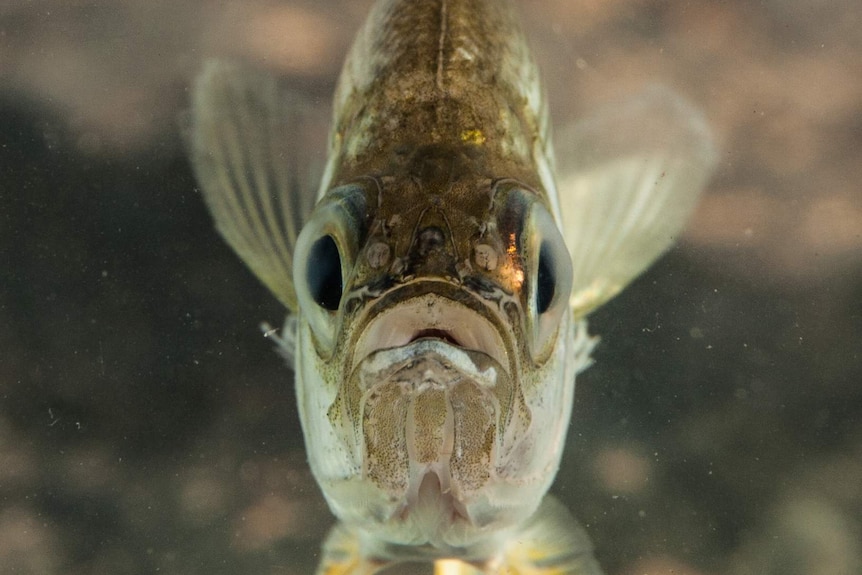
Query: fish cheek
x,y
343,415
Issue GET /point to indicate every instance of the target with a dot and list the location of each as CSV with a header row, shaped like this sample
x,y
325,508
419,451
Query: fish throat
x,y
432,406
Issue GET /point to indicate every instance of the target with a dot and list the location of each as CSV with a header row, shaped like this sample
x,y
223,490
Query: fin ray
x,y
629,178
248,143
552,543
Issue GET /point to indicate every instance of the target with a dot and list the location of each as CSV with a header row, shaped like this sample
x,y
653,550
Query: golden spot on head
x,y
512,270
512,248
517,278
475,137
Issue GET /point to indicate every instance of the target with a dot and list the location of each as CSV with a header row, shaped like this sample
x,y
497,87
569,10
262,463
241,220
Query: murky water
x,y
147,427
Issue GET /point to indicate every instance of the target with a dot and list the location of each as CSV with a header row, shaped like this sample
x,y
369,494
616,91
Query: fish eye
x,y
546,280
323,259
551,281
323,273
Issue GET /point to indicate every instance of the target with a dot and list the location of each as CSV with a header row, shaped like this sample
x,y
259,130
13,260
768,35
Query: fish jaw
x,y
442,434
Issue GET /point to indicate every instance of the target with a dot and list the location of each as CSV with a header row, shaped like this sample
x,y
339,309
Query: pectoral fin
x,y
628,180
341,555
248,139
552,543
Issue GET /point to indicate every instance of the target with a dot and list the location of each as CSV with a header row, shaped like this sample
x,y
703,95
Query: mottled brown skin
x,y
433,82
438,103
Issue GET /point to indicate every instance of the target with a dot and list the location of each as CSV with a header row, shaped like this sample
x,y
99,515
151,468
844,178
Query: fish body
x,y
439,287
424,435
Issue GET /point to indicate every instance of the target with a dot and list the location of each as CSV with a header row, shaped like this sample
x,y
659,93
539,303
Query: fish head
x,y
433,365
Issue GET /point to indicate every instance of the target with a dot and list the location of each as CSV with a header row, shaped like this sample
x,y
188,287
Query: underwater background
x,y
146,426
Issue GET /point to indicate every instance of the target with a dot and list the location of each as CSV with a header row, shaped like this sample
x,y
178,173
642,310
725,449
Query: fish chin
x,y
433,522
438,427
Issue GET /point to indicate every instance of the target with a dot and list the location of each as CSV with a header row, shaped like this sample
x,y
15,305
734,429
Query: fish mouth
x,y
440,334
431,413
432,317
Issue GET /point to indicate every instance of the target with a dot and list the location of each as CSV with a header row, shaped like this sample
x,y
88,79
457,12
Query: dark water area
x,y
147,426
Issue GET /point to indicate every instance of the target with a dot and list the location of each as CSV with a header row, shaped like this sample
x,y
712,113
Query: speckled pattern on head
x,y
448,72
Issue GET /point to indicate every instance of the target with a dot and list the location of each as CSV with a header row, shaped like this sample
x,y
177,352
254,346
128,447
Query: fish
x,y
438,263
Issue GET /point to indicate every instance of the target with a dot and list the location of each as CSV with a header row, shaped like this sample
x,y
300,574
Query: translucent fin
x,y
628,180
285,341
552,543
250,151
341,555
454,567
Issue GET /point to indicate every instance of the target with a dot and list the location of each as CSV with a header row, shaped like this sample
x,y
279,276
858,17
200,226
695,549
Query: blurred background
x,y
146,426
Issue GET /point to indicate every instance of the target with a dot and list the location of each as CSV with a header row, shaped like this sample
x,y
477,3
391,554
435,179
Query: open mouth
x,y
440,334
431,404
431,317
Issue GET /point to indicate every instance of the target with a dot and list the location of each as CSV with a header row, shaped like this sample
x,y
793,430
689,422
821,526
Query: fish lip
x,y
434,333
434,317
